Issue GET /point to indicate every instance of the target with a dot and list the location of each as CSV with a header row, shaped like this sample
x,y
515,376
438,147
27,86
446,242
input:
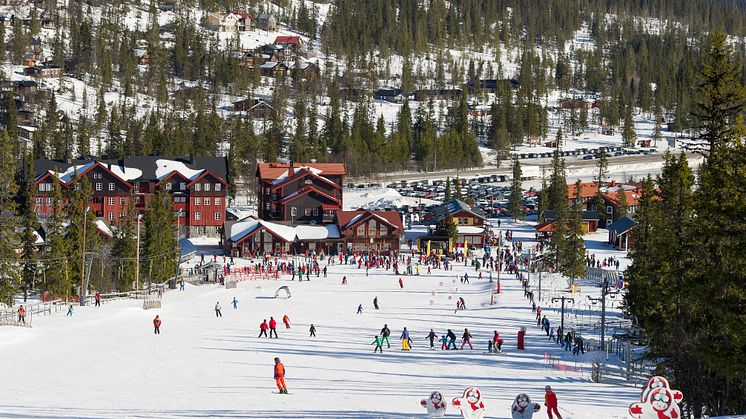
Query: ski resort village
x,y
373,209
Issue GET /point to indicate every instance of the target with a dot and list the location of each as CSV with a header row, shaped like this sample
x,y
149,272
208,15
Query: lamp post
x,y
178,243
82,260
604,293
137,259
563,299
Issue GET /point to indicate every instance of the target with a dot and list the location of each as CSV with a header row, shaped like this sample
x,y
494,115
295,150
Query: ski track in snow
x,y
106,362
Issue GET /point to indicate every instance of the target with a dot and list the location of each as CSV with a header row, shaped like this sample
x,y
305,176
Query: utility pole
x,y
178,243
137,261
82,261
563,299
604,293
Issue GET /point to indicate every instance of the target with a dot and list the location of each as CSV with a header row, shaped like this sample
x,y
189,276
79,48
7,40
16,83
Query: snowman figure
x,y
470,404
523,408
657,401
435,405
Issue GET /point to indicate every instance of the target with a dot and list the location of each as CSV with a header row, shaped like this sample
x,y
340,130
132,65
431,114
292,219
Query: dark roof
x,y
218,166
388,92
622,225
453,207
585,215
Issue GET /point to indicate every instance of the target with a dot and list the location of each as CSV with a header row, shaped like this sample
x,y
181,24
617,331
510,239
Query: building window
x,y
198,187
137,186
111,186
384,230
197,201
197,216
111,216
315,212
99,186
207,187
207,201
182,186
266,206
372,229
122,202
38,201
218,201
307,212
122,214
137,200
45,187
168,186
361,230
293,211
217,216
218,187
97,175
111,201
49,202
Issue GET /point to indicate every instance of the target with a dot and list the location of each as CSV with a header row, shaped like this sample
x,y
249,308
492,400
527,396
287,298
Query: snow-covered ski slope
x,y
106,361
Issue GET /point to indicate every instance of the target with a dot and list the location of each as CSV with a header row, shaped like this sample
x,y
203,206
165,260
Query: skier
x,y
21,315
181,285
497,342
466,278
324,271
280,376
69,311
313,331
466,338
235,303
443,343
344,280
217,310
263,329
157,325
401,283
432,336
385,332
272,326
405,340
451,340
360,309
550,401
98,299
379,344
375,302
286,320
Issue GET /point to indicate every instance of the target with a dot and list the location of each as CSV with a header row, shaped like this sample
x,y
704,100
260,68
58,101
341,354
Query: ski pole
x,y
573,414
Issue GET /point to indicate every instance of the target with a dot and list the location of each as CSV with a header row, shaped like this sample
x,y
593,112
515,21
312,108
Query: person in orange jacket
x,y
157,325
280,376
550,401
286,320
21,315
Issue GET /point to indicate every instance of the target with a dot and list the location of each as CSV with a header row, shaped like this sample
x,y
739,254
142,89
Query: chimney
x,y
291,170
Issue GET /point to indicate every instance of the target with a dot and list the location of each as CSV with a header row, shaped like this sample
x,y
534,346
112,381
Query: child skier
x,y
69,311
443,343
280,376
157,325
497,342
379,344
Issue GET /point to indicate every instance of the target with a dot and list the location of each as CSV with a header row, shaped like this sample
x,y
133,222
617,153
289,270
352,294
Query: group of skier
x,y
447,341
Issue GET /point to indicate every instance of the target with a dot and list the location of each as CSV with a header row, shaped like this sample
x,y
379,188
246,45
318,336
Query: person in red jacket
x,y
263,328
157,325
401,283
98,299
497,342
272,327
286,320
550,401
280,376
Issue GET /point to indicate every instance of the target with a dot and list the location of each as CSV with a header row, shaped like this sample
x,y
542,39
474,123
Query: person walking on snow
x,y
451,340
235,303
375,302
272,327
550,401
313,331
280,376
405,340
497,342
385,332
379,344
181,285
466,338
263,329
217,310
286,320
21,315
360,309
443,343
401,283
157,325
69,311
98,299
432,336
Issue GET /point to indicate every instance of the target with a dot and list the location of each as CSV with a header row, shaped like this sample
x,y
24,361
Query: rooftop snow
x,y
165,167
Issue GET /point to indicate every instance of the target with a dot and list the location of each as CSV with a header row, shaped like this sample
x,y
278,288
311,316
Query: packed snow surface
x,y
106,361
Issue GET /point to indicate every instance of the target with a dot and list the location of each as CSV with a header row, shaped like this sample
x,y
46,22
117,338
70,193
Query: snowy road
x,y
106,362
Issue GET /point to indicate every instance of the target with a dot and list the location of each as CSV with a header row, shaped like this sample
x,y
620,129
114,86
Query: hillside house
x,y
267,22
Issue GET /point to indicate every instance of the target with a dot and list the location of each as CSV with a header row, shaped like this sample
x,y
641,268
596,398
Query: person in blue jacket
x,y
235,303
405,340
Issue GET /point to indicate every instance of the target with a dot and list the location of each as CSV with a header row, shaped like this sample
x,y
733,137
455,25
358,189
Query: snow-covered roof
x,y
308,232
165,167
68,174
104,228
284,176
139,53
288,233
126,173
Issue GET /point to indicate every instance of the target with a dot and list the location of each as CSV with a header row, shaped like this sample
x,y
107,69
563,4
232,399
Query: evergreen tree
x,y
457,188
448,190
159,257
657,134
573,253
515,203
601,176
57,275
28,240
628,132
10,274
557,193
622,203
124,252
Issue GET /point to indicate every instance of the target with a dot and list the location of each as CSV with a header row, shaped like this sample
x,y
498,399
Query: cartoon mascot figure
x,y
523,408
435,405
470,404
657,401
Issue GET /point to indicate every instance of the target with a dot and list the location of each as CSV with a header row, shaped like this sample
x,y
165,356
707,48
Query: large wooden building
x,y
470,223
198,186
